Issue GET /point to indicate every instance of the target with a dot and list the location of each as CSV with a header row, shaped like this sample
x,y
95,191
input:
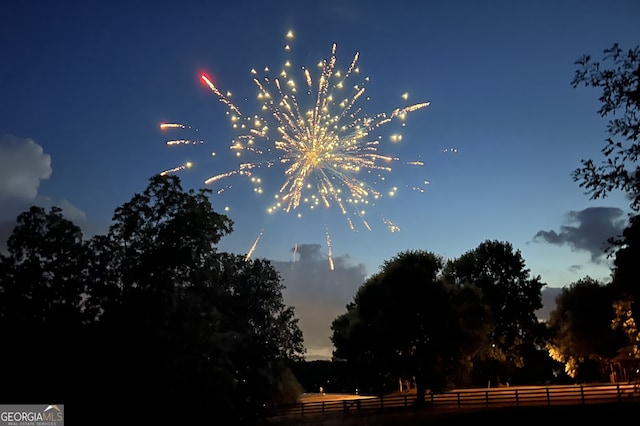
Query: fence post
x,y
582,394
548,397
322,407
619,392
381,402
459,400
405,400
486,398
517,401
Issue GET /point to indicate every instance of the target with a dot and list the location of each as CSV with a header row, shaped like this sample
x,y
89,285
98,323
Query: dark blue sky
x,y
84,86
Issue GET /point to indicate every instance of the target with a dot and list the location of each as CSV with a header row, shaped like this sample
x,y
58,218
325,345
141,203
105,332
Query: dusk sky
x,y
85,85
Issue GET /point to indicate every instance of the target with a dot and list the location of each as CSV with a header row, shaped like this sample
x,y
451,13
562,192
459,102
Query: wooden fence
x,y
466,399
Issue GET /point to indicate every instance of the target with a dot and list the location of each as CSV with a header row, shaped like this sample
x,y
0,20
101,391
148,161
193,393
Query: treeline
x,y
148,323
465,322
470,321
152,316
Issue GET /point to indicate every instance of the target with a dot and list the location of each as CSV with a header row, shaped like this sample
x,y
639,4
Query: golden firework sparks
x,y
165,126
177,169
317,135
320,136
254,245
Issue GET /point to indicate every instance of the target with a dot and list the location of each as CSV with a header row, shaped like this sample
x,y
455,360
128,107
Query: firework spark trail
x,y
390,225
164,126
184,142
177,169
319,136
175,142
254,245
221,97
329,251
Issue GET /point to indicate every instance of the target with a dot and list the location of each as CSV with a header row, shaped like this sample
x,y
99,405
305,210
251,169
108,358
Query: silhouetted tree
x,y
625,284
512,297
44,312
195,328
152,314
625,270
581,333
406,322
44,267
618,77
620,98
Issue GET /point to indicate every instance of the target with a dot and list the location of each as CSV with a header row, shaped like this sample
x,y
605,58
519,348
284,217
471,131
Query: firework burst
x,y
317,134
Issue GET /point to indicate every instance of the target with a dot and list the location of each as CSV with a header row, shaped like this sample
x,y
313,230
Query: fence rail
x,y
471,399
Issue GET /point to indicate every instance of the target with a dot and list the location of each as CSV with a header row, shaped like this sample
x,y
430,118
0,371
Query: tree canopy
x,y
580,327
511,295
618,77
444,324
405,321
625,284
151,311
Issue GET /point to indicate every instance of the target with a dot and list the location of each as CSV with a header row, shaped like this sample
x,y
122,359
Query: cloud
x,y
575,268
71,212
587,230
318,293
23,165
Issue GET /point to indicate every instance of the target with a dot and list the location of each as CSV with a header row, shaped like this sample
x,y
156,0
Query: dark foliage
x,y
512,297
580,328
406,323
618,77
150,319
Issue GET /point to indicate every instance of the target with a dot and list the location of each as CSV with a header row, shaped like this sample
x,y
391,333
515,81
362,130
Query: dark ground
x,y
603,414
